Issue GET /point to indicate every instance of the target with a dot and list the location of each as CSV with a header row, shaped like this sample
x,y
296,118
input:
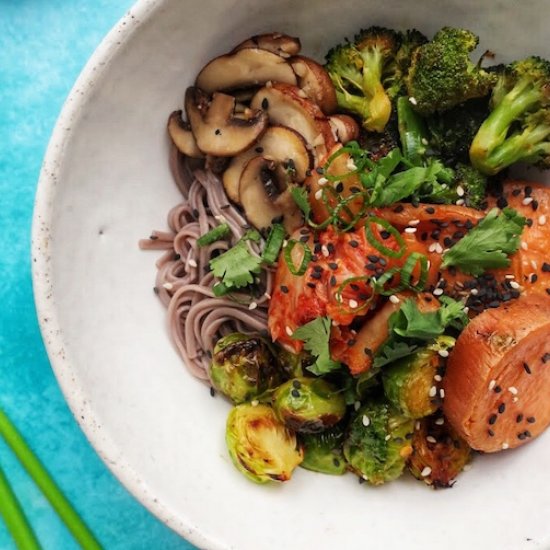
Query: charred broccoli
x,y
357,70
442,74
518,127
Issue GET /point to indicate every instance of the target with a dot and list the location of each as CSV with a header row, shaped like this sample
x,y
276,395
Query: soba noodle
x,y
196,317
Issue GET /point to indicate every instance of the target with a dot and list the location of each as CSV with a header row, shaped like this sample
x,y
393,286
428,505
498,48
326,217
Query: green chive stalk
x,y
47,485
15,519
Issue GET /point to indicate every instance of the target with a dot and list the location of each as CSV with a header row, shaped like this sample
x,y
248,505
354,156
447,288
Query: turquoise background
x,y
43,46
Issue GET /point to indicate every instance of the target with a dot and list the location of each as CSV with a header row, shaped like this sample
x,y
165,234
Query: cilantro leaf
x,y
236,267
299,194
410,322
316,335
391,351
487,245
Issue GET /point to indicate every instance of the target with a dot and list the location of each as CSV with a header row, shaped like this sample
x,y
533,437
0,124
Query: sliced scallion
x,y
371,238
306,257
273,244
215,234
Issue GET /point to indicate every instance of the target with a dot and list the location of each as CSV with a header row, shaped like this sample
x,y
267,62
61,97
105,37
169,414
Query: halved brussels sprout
x,y
377,443
243,367
309,405
439,453
292,364
412,383
323,451
261,447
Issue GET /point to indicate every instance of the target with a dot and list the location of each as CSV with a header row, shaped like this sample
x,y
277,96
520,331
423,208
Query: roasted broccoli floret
x,y
451,132
518,127
357,70
442,74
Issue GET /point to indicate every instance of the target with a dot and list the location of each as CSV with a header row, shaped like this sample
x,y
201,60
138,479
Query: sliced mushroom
x,y
315,82
244,68
287,106
182,136
217,130
275,42
262,198
344,127
285,146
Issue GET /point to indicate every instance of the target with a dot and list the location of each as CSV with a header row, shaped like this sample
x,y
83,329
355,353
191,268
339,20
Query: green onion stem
x,y
47,485
15,519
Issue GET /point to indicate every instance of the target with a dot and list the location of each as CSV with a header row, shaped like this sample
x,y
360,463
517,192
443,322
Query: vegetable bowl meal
x,y
352,264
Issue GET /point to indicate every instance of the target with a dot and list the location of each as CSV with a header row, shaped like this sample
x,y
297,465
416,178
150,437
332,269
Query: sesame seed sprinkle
x,y
526,201
253,305
513,390
412,223
426,471
442,393
492,384
413,100
388,437
443,353
357,405
542,219
460,191
319,194
192,262
255,403
433,391
353,304
394,299
168,286
410,230
505,446
365,420
440,421
431,439
322,181
437,292
438,378
288,331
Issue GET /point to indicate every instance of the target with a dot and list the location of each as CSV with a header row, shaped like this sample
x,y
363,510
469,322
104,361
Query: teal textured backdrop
x,y
43,47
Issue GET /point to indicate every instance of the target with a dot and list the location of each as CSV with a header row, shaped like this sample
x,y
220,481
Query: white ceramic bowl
x,y
105,183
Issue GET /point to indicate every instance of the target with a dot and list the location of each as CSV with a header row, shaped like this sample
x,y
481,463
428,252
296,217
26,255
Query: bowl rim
x,y
41,267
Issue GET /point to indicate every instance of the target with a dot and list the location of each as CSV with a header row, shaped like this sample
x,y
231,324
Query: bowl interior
x,y
106,183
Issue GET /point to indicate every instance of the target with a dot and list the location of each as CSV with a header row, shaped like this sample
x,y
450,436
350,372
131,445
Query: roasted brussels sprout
x,y
323,451
261,447
412,383
377,444
292,364
243,367
439,454
308,405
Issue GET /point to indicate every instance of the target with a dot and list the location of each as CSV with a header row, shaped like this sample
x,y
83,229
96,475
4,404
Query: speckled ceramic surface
x,y
106,183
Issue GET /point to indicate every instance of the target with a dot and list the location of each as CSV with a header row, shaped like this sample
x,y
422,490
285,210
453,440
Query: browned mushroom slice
x,y
262,198
315,82
286,106
182,136
275,42
244,68
285,146
344,127
217,130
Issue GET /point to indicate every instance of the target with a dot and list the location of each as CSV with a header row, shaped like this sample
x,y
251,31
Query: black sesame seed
x,y
259,149
429,210
502,202
492,419
534,278
265,103
497,389
373,258
527,433
332,280
424,236
531,419
519,418
296,384
316,275
212,392
528,190
529,222
196,213
218,132
490,432
526,368
382,261
295,393
385,234
501,408
545,267
333,265
351,342
371,267
284,289
399,208
353,244
311,285
522,436
336,462
516,192
546,357
319,170
339,187
368,352
354,286
330,247
535,205
548,291
308,173
156,289
494,304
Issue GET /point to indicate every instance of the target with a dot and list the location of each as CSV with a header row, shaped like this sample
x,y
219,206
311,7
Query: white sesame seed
x,y
509,276
353,304
365,477
443,353
524,246
438,248
413,100
414,222
467,467
460,191
474,291
319,194
460,202
515,399
431,248
440,421
442,393
366,420
438,378
433,391
268,84
220,218
492,384
534,265
289,331
417,425
255,403
192,262
505,446
394,299
542,219
431,439
466,309
324,251
357,405
322,181
285,243
514,284
513,390
426,471
168,286
410,229
388,437
526,201
252,305
424,141
437,292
